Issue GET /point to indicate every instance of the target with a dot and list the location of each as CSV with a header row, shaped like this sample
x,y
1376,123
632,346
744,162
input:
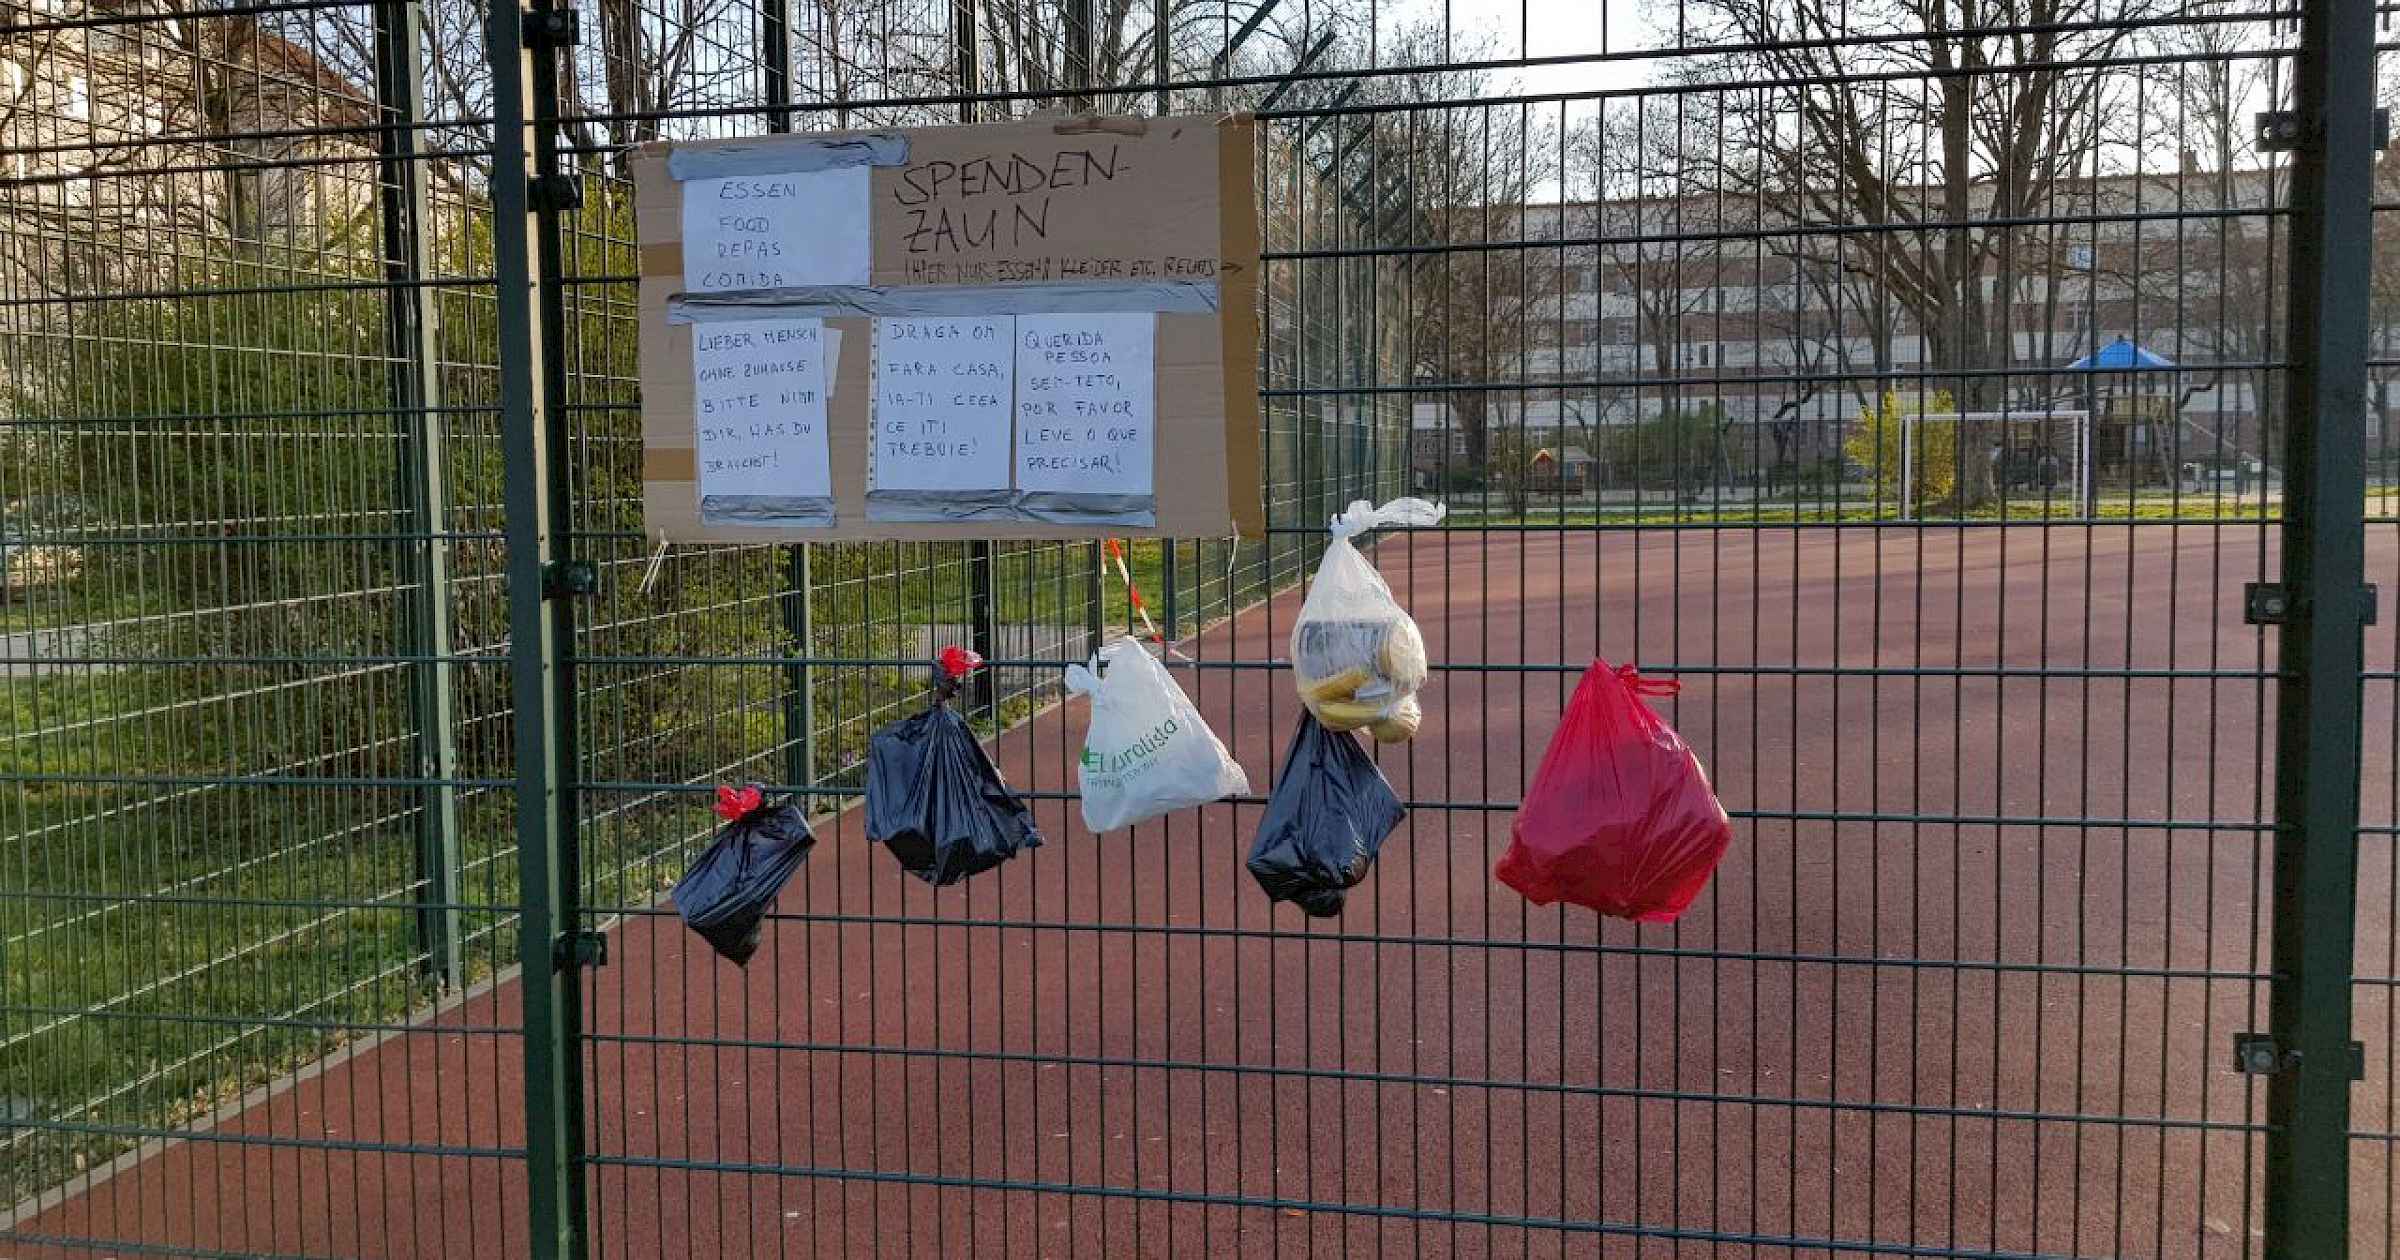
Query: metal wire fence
x,y
1921,385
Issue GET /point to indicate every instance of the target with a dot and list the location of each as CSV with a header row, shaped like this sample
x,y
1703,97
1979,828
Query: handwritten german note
x,y
759,391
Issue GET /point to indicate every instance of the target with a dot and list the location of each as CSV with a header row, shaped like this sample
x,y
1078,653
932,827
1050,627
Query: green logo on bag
x,y
1092,760
1142,749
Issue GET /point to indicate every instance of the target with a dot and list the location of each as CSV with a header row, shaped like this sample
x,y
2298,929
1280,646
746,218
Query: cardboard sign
x,y
1128,242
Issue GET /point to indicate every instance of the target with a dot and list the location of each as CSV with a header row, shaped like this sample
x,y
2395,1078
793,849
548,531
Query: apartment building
x,y
1779,332
164,133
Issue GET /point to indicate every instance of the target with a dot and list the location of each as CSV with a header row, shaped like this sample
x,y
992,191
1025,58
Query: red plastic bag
x,y
1620,817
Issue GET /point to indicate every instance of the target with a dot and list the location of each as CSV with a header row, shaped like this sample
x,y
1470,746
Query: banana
x,y
1400,726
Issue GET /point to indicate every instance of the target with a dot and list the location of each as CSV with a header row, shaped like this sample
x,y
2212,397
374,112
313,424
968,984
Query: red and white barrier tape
x,y
1133,594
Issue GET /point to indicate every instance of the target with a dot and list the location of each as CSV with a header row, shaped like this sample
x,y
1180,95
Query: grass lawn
x,y
1048,584
172,944
66,608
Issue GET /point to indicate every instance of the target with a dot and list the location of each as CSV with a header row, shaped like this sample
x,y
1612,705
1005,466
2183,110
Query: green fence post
x,y
983,600
1170,578
799,599
799,683
1095,608
2322,608
983,625
414,345
525,269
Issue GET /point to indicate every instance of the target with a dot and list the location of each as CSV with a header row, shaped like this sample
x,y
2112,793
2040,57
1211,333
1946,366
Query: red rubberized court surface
x,y
1822,1050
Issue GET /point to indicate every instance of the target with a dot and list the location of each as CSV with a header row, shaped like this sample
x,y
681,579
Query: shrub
x,y
1875,444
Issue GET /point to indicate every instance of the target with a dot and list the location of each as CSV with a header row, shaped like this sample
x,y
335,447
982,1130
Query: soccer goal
x,y
2040,455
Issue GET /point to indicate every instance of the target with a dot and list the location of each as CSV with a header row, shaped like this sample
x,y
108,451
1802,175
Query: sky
x,y
1505,30
1546,28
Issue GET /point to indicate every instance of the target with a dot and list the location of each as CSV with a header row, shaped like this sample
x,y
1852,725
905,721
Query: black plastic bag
x,y
1330,813
727,892
935,799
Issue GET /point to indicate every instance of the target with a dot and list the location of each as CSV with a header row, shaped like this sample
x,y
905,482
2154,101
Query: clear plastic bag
x,y
1147,752
1357,657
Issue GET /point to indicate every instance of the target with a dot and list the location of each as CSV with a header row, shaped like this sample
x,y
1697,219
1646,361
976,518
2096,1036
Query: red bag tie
x,y
736,804
1640,686
958,662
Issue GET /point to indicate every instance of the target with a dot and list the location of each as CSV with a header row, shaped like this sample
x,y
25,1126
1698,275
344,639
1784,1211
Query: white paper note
x,y
942,388
1086,402
775,231
759,398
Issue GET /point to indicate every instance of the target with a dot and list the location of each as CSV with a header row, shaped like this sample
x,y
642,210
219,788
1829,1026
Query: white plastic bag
x,y
1147,752
1356,655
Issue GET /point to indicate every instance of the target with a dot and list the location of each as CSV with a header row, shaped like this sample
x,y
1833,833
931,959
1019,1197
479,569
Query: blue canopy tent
x,y
2134,429
2121,355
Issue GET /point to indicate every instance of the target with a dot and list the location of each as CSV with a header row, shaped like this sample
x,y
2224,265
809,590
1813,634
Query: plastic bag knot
x,y
736,804
1362,516
1640,686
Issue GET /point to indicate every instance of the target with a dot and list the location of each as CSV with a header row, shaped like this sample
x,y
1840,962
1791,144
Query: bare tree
x,y
1023,45
1807,338
2217,281
1450,187
127,144
1680,265
2221,281
1952,123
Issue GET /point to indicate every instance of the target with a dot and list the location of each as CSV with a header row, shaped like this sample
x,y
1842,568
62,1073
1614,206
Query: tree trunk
x,y
621,44
1964,347
1469,406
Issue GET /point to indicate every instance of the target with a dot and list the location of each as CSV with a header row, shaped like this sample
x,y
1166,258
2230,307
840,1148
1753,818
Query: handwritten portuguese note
x,y
1086,402
776,231
942,391
759,397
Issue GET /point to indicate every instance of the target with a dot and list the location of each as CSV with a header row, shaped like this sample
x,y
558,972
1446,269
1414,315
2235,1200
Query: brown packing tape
x,y
666,463
665,261
1237,287
1090,124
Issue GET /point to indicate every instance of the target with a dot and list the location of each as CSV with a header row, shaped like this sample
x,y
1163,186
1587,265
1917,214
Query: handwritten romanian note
x,y
1086,410
759,395
776,231
942,392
